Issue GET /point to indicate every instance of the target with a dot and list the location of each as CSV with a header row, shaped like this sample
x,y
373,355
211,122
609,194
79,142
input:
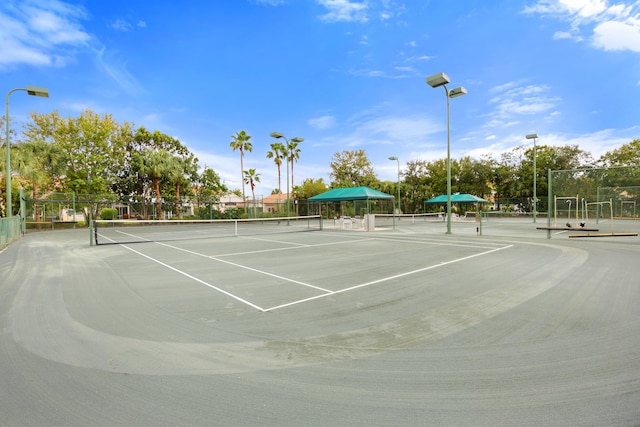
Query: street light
x,y
437,80
278,135
534,136
398,160
32,91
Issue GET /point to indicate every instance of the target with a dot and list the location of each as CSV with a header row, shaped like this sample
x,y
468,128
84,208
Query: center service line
x,y
255,270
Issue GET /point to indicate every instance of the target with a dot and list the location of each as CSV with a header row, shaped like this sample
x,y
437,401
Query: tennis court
x,y
297,323
280,269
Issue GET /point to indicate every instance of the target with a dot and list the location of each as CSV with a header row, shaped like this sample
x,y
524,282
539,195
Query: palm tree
x,y
182,170
277,153
251,177
157,164
240,141
294,154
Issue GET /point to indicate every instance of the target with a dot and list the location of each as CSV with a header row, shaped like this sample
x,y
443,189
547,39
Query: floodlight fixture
x,y
532,136
459,91
438,80
38,91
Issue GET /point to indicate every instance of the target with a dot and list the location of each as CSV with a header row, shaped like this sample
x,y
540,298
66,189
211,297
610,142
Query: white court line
x,y
255,270
396,276
460,244
288,249
327,292
237,298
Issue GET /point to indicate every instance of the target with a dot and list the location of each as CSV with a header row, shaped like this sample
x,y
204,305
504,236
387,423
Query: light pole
x,y
441,79
33,91
534,136
398,160
278,135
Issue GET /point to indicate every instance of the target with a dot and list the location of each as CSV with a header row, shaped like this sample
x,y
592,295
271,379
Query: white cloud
x,y
612,27
322,122
270,2
344,10
122,25
613,35
562,35
40,33
513,100
117,71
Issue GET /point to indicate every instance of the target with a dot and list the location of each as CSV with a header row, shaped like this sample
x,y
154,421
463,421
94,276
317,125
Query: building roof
x,y
274,198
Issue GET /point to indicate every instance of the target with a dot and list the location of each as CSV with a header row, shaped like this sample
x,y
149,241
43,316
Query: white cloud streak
x,y
344,11
39,33
612,27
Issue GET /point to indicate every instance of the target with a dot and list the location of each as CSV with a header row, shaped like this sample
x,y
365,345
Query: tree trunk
x,y
178,204
156,187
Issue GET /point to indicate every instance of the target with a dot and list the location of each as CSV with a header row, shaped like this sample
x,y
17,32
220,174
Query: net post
x,y
91,242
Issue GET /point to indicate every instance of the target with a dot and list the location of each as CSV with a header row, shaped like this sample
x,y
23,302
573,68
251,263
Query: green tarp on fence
x,y
10,230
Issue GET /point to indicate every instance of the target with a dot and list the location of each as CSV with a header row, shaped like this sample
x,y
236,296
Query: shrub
x,y
108,213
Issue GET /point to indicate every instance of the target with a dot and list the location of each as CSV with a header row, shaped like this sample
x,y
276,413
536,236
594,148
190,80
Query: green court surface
x,y
495,324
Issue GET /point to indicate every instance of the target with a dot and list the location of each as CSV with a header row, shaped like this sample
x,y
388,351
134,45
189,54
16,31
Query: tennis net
x,y
386,220
139,231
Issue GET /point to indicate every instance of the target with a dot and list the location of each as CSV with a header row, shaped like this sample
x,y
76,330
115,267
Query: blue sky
x,y
342,74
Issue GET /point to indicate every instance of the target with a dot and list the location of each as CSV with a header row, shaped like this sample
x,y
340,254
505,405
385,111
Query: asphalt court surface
x,y
404,326
296,268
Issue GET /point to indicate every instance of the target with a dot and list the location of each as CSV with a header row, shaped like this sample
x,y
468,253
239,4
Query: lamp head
x,y
276,135
438,80
38,91
459,91
393,158
532,136
297,139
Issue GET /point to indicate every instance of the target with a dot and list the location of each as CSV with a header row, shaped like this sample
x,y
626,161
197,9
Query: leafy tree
x,y
130,178
622,171
626,155
208,185
311,187
417,186
38,167
92,147
474,176
351,169
240,141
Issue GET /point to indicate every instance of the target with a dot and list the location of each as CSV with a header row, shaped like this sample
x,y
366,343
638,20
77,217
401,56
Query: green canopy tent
x,y
364,195
457,198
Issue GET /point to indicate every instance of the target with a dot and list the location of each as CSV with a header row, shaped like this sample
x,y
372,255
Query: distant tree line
x,y
94,154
